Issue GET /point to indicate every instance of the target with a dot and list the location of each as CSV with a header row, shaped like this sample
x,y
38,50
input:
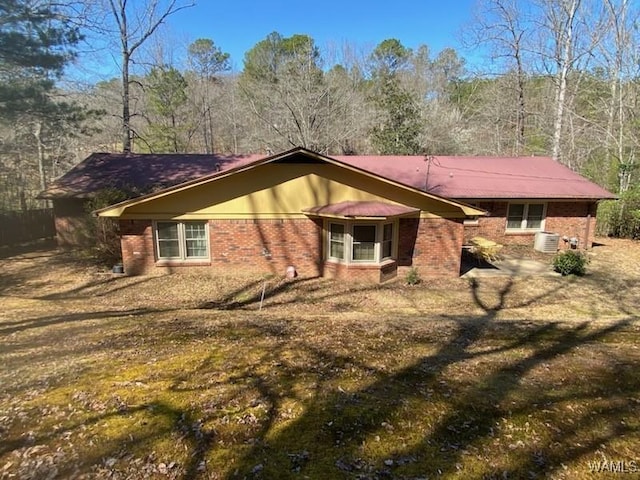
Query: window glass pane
x,y
196,248
195,235
387,240
364,251
194,230
168,245
167,230
364,242
534,216
514,217
336,241
387,233
364,233
337,250
168,249
337,232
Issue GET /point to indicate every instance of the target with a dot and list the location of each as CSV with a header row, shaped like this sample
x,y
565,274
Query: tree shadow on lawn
x,y
336,434
7,328
445,411
250,294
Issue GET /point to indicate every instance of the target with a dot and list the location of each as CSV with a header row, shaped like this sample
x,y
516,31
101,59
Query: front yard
x,y
182,376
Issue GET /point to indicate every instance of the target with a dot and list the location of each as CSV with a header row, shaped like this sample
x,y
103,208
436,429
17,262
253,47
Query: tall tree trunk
x,y
565,47
146,24
126,114
521,115
123,27
37,133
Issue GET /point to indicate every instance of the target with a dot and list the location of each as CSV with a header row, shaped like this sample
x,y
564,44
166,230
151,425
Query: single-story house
x,y
362,217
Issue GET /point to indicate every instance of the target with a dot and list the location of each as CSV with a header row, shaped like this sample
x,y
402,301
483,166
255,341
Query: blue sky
x,y
235,26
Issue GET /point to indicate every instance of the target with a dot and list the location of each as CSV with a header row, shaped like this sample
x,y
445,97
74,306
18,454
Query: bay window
x,y
352,242
181,240
526,216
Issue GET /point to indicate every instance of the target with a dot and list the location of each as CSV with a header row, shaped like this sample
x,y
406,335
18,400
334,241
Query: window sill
x,y
522,232
183,263
352,264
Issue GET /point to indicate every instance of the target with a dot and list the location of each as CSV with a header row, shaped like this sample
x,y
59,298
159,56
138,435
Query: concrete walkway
x,y
510,267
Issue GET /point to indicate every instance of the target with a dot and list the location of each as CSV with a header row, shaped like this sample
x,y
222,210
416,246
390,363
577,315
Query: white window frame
x,y
392,241
182,241
349,239
344,241
377,244
525,216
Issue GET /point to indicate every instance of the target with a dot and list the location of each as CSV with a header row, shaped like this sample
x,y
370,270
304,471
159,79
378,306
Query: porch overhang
x,y
365,210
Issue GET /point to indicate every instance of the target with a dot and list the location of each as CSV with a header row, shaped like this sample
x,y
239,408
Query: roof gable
x,y
299,156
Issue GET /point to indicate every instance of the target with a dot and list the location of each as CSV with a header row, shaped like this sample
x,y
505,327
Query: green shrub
x,y
570,262
620,218
413,277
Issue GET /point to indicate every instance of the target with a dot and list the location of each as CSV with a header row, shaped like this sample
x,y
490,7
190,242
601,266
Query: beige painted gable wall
x,y
276,190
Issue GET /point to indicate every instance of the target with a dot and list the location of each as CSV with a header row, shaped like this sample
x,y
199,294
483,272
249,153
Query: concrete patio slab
x,y
510,267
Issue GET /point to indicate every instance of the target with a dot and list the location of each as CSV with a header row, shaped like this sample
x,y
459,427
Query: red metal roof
x,y
451,177
483,177
361,209
139,173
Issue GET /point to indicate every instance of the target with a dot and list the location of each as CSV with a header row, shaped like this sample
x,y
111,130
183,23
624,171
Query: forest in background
x,y
558,78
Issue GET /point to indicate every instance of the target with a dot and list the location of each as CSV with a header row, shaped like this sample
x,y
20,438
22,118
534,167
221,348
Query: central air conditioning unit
x,y
546,242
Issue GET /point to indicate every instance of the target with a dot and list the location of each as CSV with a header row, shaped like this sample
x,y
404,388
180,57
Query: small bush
x,y
413,277
570,262
102,241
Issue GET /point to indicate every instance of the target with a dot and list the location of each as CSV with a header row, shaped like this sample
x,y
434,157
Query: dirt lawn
x,y
182,376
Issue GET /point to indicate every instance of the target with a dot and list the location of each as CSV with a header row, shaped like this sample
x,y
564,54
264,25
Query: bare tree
x,y
620,58
134,25
503,26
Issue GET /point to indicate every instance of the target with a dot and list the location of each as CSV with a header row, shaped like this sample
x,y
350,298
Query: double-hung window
x,y
387,241
526,216
336,241
182,240
363,243
360,242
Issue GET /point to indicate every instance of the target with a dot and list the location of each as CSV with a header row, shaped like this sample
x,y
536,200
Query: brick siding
x,y
570,219
432,245
271,246
361,273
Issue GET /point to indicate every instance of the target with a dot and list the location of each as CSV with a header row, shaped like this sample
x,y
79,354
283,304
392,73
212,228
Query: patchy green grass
x,y
182,376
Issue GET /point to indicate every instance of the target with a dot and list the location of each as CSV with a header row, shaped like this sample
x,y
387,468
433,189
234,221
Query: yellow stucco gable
x,y
274,189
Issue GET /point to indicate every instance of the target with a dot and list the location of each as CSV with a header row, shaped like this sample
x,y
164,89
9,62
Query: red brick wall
x,y
566,218
363,273
136,242
577,219
268,246
432,245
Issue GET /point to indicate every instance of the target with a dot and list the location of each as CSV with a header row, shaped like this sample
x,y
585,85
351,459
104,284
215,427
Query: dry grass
x,y
181,376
